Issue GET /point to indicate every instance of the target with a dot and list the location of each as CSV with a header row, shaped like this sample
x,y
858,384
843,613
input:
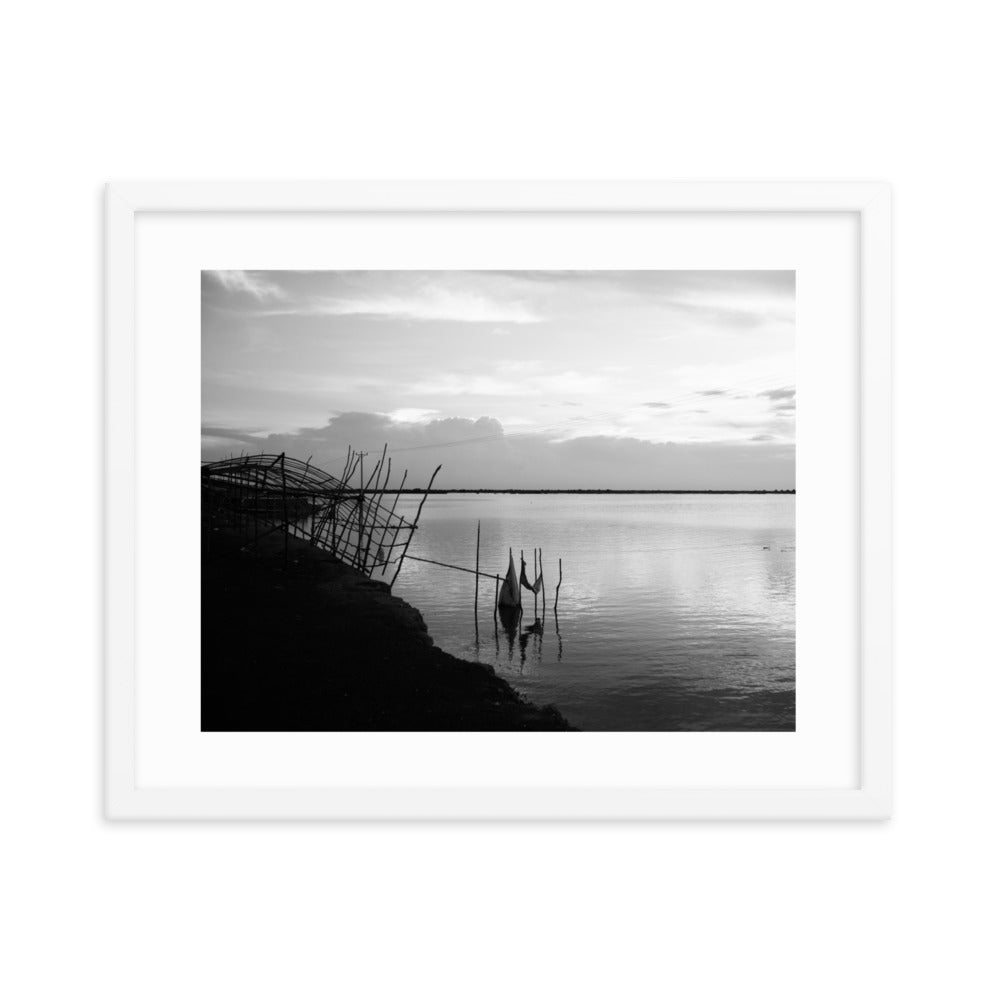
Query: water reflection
x,y
531,634
674,611
510,620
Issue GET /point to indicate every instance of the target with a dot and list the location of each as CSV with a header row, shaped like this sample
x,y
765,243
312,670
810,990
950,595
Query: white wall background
x,y
904,93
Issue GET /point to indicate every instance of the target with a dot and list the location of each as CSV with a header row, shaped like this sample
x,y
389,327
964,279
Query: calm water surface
x,y
675,612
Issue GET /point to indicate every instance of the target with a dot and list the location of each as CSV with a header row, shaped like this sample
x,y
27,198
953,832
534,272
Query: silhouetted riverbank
x,y
314,645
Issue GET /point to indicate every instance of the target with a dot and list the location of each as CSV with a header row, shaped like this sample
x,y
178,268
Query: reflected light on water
x,y
675,612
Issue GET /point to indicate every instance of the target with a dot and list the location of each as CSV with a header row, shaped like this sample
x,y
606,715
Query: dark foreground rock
x,y
314,645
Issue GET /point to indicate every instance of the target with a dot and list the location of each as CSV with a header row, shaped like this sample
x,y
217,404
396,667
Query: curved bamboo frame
x,y
256,495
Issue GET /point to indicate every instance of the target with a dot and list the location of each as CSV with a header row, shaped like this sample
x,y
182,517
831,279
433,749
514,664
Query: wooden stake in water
x,y
534,563
558,585
541,572
413,527
476,603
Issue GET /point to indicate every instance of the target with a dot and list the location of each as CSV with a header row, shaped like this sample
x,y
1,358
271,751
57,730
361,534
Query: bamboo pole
x,y
475,605
284,505
377,502
361,515
371,513
347,465
361,507
555,607
534,582
496,599
416,519
339,531
461,569
392,514
541,572
353,469
256,503
343,535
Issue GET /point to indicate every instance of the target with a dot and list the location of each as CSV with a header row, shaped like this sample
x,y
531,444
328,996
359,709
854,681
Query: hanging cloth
x,y
533,587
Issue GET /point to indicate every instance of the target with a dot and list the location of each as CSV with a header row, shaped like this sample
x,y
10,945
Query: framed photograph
x,y
498,500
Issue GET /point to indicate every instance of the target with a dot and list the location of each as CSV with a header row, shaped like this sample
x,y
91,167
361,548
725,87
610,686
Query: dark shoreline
x,y
310,644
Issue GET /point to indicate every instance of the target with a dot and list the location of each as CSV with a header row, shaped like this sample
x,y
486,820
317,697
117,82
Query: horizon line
x,y
487,489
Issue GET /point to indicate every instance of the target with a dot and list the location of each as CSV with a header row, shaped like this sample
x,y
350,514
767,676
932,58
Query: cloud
x,y
249,283
659,406
733,300
712,392
782,400
230,434
510,380
431,303
737,300
778,394
411,415
762,437
478,454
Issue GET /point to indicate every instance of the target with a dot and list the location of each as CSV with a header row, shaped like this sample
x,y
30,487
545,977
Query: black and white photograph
x,y
519,509
498,500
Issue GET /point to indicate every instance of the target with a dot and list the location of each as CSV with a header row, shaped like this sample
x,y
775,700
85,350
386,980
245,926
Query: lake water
x,y
676,612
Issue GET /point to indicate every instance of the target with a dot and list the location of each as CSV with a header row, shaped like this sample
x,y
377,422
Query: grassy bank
x,y
312,645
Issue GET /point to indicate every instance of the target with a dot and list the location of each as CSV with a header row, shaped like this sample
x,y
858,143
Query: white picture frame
x,y
127,798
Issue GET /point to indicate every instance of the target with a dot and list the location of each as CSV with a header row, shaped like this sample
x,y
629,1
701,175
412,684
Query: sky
x,y
509,379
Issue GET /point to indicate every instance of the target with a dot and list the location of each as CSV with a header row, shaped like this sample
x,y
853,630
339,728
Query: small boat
x,y
510,589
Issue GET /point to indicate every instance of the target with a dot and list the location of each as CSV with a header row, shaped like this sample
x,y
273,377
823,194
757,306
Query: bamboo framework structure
x,y
352,517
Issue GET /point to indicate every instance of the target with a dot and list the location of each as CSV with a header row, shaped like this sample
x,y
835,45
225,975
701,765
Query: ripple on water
x,y
676,612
